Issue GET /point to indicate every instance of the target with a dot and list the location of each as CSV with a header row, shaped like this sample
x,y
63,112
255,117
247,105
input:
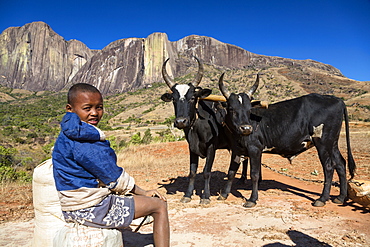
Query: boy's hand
x,y
151,193
155,193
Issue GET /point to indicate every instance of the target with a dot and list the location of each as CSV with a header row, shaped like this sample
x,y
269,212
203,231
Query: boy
x,y
82,159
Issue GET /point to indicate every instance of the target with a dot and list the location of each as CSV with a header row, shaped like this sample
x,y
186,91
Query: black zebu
x,y
288,128
202,124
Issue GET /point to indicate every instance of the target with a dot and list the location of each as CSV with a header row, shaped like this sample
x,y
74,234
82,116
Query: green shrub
x,y
136,139
7,171
147,138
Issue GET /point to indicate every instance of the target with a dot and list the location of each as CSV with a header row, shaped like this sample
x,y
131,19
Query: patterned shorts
x,y
113,212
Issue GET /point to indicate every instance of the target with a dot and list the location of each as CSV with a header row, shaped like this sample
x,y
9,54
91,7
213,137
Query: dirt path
x,y
283,217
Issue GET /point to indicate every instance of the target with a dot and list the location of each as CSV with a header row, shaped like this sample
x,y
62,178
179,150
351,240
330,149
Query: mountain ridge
x,y
33,57
36,58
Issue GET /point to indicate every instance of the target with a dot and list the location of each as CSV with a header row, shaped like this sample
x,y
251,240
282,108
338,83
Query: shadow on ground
x,y
218,181
301,240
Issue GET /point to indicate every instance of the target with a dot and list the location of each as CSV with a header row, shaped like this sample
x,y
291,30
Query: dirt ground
x,y
283,216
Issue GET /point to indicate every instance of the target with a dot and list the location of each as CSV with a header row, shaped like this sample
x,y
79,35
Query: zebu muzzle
x,y
182,122
245,129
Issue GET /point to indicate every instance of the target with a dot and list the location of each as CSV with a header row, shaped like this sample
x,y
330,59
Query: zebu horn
x,y
166,77
259,104
200,73
196,81
254,87
217,98
264,104
221,85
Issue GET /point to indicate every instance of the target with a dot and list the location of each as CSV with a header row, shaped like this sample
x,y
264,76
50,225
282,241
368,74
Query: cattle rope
x,y
336,184
142,222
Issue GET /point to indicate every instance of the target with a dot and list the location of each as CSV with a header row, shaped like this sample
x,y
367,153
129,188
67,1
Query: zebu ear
x,y
258,110
256,114
202,93
167,97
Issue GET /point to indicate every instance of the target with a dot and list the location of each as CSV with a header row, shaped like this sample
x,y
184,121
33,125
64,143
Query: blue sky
x,y
335,32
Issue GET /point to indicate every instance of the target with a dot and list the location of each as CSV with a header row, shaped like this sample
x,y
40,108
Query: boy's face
x,y
88,106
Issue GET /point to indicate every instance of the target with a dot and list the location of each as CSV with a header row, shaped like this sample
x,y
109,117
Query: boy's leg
x,y
156,207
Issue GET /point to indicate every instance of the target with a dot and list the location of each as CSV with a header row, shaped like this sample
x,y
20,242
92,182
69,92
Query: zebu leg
x,y
255,161
194,160
327,163
340,167
243,178
211,152
234,166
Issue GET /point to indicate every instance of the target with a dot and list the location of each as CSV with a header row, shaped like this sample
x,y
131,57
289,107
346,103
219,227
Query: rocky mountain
x,y
35,58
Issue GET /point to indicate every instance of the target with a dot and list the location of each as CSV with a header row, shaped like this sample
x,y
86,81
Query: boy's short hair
x,y
80,88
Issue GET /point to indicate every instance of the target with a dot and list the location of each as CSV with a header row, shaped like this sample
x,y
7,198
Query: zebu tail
x,y
351,161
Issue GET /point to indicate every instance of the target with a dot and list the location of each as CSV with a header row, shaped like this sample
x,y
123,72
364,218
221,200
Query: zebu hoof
x,y
318,203
205,201
185,199
249,204
338,201
221,198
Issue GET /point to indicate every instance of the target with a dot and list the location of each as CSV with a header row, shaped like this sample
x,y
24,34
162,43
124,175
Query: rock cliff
x,y
34,57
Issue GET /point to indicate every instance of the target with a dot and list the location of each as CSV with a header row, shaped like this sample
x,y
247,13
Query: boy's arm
x,y
98,159
124,184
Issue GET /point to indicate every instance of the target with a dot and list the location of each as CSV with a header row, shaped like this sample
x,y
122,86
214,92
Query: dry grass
x,y
152,156
15,202
150,162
